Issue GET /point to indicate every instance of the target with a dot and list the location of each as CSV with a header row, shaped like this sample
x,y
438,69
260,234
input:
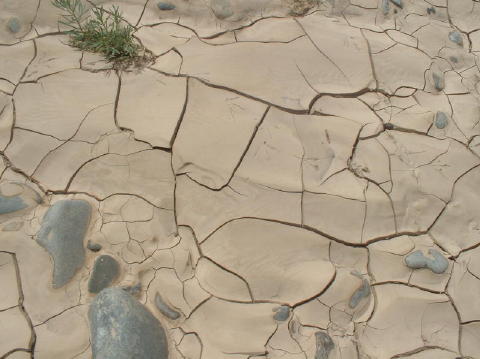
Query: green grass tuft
x,y
99,30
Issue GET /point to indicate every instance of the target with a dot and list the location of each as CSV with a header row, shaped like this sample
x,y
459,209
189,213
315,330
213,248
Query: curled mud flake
x,y
122,328
359,294
165,309
417,260
456,37
281,313
14,25
165,6
438,81
441,120
105,270
62,233
221,8
324,345
94,247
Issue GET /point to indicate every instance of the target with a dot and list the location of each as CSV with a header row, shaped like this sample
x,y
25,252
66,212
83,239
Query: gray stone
x,y
14,25
105,270
11,204
94,247
441,120
453,59
133,289
281,313
122,328
438,81
324,345
62,232
431,10
165,6
221,8
456,37
24,197
417,260
385,7
399,3
165,309
359,294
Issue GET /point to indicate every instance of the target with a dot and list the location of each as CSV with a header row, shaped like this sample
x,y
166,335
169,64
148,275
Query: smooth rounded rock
x,y
94,247
62,233
324,345
221,8
122,328
385,7
105,270
165,309
441,120
438,81
456,37
15,197
281,313
165,6
14,25
359,294
417,260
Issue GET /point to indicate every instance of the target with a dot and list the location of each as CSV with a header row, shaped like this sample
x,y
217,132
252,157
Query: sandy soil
x,y
287,179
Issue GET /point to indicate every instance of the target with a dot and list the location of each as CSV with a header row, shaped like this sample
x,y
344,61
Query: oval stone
x,y
441,120
122,328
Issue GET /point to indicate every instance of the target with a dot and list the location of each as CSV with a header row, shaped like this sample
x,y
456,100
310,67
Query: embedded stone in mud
x,y
441,120
417,260
62,232
399,3
359,294
438,81
165,309
456,37
165,6
221,8
281,313
94,247
324,345
15,197
105,270
122,328
14,25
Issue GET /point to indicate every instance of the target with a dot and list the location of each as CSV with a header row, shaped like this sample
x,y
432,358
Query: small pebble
x,y
281,313
453,59
441,120
456,37
165,6
165,309
324,345
14,25
388,126
438,81
417,260
385,7
431,10
105,270
94,247
359,294
399,3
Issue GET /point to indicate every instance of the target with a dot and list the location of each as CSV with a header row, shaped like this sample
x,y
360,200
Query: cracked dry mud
x,y
294,179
